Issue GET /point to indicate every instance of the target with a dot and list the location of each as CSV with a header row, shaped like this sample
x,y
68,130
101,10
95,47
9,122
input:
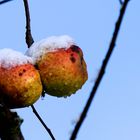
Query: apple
x,y
20,84
61,65
63,72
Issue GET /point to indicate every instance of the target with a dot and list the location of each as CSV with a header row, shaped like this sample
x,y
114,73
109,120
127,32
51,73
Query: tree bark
x,y
10,124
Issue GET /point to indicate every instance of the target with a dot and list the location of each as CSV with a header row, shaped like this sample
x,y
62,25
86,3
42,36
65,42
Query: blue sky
x,y
114,114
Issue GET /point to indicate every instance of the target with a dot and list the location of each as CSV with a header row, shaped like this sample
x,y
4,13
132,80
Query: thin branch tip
x,y
121,2
4,1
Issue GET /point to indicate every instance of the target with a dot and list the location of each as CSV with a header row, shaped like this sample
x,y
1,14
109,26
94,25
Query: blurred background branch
x,y
102,71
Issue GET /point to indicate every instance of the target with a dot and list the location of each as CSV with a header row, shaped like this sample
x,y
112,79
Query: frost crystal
x,y
50,44
10,58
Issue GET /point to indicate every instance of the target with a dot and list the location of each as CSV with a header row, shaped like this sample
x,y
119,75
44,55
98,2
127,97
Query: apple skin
x,y
63,71
20,86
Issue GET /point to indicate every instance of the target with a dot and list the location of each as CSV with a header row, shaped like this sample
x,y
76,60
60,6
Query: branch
x,y
29,41
29,38
47,129
10,124
4,1
102,71
121,2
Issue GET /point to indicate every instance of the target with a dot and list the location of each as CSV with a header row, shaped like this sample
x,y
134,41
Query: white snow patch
x,y
10,58
49,44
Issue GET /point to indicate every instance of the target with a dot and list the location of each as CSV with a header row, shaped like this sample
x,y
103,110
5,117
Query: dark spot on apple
x,y
72,59
20,74
26,90
72,54
75,48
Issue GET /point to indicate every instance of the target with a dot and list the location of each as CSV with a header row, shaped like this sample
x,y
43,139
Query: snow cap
x,y
10,58
49,44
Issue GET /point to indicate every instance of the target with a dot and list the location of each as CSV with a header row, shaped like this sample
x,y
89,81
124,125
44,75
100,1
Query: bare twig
x,y
102,71
121,2
4,1
47,129
29,41
29,38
